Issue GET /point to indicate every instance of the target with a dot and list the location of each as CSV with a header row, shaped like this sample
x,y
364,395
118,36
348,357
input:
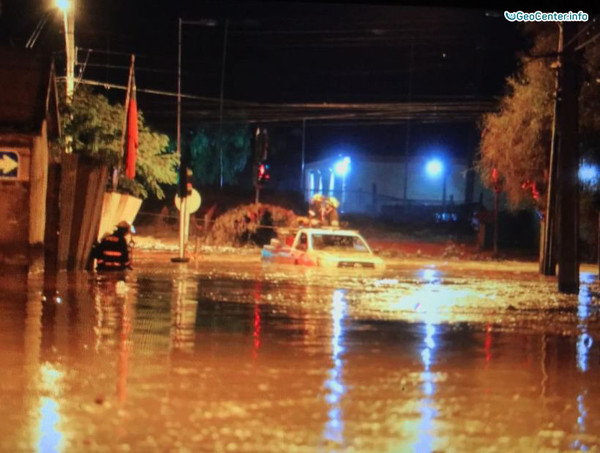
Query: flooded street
x,y
227,356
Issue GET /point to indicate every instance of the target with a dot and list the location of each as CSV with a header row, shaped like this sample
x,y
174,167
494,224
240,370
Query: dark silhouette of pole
x,y
496,197
221,103
568,160
548,258
302,184
181,258
407,141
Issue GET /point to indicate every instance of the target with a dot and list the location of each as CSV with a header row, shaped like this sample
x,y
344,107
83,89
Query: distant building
x,y
375,185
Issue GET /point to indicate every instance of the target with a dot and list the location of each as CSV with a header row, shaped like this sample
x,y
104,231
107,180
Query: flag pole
x,y
117,170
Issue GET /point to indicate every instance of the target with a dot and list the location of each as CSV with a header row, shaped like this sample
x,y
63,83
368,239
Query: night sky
x,y
293,53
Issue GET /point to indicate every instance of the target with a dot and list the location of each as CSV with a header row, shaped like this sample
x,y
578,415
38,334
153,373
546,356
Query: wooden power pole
x,y
568,161
548,252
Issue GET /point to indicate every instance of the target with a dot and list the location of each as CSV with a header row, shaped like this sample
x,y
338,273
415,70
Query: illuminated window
x,y
331,182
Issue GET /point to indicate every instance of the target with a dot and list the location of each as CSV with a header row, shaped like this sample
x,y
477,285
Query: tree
x,y
95,128
204,148
516,139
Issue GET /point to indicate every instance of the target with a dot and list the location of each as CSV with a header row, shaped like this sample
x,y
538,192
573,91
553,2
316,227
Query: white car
x,y
334,248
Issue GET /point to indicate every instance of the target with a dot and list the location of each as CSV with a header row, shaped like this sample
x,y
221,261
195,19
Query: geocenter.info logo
x,y
538,16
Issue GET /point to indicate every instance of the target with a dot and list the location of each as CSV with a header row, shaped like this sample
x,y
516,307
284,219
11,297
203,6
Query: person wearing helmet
x,y
330,213
113,252
315,210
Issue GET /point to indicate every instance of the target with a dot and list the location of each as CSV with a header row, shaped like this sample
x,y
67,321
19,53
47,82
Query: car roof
x,y
330,231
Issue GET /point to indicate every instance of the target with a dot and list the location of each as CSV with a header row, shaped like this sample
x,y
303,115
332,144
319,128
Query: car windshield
x,y
339,243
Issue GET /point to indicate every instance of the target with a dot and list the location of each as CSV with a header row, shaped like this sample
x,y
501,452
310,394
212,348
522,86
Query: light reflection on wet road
x,y
239,358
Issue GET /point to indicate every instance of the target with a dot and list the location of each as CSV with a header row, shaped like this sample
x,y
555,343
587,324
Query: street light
x,y
435,168
68,10
341,168
588,174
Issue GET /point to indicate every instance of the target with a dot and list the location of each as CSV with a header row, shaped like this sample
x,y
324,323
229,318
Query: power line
x,y
589,41
591,23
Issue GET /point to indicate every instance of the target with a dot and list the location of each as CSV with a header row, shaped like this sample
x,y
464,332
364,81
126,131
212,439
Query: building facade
x,y
374,185
28,119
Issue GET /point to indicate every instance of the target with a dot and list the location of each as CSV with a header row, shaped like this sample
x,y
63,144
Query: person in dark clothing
x,y
265,231
113,253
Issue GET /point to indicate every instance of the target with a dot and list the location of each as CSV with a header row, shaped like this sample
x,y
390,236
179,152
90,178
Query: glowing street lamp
x,y
67,8
435,168
588,174
63,5
341,168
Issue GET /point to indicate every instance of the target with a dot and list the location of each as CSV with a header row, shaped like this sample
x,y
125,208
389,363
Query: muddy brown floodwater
x,y
228,356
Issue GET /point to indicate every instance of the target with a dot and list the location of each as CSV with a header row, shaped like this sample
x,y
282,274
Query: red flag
x,y
132,143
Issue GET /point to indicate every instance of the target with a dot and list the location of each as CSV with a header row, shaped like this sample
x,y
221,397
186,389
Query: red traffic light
x,y
263,175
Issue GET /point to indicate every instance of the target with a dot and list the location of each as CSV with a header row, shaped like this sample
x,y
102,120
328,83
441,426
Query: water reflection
x,y
183,315
584,340
257,320
584,344
427,407
415,386
49,435
334,428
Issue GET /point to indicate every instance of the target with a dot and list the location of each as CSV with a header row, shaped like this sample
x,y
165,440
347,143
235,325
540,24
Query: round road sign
x,y
193,201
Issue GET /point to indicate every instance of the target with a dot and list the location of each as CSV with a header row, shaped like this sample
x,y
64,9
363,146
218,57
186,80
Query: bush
x,y
252,224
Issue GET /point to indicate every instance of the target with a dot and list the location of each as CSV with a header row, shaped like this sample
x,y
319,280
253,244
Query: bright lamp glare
x,y
63,4
588,174
434,168
342,166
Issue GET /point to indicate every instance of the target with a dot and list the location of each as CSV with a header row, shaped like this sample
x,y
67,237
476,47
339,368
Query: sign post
x,y
187,205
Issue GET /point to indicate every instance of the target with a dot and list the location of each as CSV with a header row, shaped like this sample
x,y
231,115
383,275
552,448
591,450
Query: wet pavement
x,y
228,356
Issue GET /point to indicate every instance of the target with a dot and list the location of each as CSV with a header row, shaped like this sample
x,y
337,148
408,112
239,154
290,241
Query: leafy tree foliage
x,y
204,152
516,139
95,127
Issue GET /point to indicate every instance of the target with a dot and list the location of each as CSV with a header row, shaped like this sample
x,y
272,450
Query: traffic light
x,y
263,176
185,186
188,181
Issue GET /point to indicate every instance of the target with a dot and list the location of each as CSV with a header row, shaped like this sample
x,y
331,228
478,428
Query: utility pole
x,y
407,141
302,184
548,258
181,258
69,22
183,155
222,88
568,160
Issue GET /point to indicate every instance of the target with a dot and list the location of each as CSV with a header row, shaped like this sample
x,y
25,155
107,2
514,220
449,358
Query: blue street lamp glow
x,y
588,174
63,5
342,166
434,168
